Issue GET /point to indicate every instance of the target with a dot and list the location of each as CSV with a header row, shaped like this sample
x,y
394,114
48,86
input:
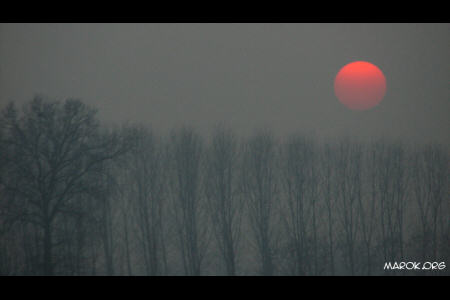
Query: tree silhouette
x,y
52,147
81,198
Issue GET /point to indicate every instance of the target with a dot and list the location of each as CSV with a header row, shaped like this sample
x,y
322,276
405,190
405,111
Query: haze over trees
x,y
80,198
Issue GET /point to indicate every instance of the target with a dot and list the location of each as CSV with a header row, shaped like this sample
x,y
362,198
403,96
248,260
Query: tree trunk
x,y
47,263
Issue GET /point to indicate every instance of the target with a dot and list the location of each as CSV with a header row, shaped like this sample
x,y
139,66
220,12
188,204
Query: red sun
x,y
360,85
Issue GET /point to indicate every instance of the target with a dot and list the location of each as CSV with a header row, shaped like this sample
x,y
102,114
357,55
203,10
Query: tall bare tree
x,y
224,194
261,187
189,208
299,183
430,182
368,204
391,182
327,181
52,146
147,180
348,180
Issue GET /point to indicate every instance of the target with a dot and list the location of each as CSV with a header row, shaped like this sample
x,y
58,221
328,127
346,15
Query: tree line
x,y
81,198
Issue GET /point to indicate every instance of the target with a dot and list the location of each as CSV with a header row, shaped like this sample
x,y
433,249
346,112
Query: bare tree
x,y
327,181
368,204
260,186
348,180
430,181
147,183
52,146
224,194
300,218
186,150
391,183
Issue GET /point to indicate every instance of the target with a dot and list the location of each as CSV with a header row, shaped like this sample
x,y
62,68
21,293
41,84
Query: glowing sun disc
x,y
360,85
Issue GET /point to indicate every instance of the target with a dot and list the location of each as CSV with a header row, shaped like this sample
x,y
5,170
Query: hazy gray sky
x,y
278,76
